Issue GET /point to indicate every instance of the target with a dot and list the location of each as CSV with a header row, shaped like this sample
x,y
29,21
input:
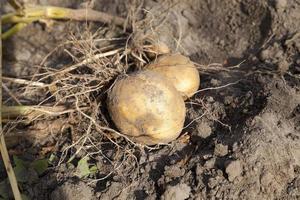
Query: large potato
x,y
180,71
146,107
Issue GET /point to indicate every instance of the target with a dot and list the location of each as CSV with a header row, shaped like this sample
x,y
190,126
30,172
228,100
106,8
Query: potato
x,y
180,71
146,107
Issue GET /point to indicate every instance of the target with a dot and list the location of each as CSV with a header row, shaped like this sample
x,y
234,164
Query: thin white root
x,y
217,88
24,82
89,60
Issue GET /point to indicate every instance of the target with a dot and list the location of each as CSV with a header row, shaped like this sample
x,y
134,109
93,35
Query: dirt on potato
x,y
242,132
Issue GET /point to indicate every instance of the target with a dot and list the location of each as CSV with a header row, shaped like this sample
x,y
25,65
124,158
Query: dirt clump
x,y
78,191
178,192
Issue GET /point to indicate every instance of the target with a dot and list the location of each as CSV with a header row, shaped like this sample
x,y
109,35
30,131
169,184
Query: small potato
x,y
146,107
180,71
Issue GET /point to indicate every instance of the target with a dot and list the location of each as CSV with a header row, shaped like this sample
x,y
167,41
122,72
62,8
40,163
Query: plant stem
x,y
3,149
7,17
12,112
24,16
13,30
50,12
9,112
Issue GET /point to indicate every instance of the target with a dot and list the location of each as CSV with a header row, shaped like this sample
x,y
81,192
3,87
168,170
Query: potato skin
x,y
146,107
180,71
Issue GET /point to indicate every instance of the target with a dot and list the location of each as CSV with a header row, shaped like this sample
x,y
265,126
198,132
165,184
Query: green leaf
x,y
40,166
20,170
19,162
83,168
93,169
24,171
70,166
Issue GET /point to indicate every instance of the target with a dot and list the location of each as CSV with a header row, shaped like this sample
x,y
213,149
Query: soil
x,y
242,139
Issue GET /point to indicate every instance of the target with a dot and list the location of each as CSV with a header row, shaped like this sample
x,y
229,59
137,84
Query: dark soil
x,y
246,146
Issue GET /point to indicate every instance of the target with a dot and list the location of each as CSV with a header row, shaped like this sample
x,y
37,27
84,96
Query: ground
x,y
242,134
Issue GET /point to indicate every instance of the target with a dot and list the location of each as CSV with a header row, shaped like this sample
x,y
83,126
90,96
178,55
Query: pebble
x,y
174,171
215,82
220,150
283,66
177,192
234,170
265,54
204,130
210,99
281,4
228,100
210,163
22,55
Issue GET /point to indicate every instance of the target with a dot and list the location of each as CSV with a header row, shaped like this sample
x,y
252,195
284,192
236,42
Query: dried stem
x,y
3,149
